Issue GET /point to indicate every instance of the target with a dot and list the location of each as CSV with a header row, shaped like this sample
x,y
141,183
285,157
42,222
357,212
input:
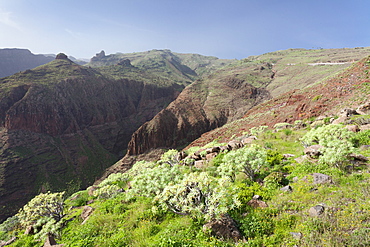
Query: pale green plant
x,y
48,205
248,160
335,140
152,181
199,195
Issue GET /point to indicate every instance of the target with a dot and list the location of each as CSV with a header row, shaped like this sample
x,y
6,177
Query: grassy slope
x,y
121,222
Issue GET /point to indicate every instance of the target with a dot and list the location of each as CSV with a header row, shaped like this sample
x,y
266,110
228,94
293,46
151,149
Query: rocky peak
x,y
62,56
98,56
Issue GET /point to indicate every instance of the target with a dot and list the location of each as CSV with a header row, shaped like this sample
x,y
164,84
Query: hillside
x,y
165,63
304,184
16,60
229,93
62,124
347,89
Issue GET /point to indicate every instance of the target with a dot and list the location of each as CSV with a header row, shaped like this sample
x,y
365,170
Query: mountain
x,y
232,91
62,124
16,60
165,63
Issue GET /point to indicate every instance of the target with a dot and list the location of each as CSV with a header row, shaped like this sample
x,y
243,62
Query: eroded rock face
x,y
201,107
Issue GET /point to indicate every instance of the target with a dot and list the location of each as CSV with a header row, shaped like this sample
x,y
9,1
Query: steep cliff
x,y
15,60
62,124
204,105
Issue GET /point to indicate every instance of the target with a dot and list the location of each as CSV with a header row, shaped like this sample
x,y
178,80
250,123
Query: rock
x,y
347,112
91,189
234,144
50,242
10,241
125,63
256,203
319,178
199,164
287,188
364,109
353,128
181,155
223,228
62,56
286,156
313,151
340,120
213,150
248,140
359,157
296,235
210,156
87,211
224,148
365,127
29,230
316,210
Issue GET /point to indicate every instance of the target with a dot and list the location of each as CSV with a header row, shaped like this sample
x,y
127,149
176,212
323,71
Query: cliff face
x,y
62,124
201,107
15,60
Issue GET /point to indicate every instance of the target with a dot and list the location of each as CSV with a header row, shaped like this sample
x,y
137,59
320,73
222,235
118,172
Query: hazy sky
x,y
226,29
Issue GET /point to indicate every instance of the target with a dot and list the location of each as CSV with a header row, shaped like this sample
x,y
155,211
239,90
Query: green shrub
x,y
249,160
200,196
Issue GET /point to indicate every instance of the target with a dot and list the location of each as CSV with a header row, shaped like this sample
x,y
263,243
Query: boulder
x,y
223,228
347,112
199,164
248,140
257,203
359,157
29,230
224,148
50,242
353,128
364,109
287,188
210,156
87,211
296,235
213,150
365,127
340,120
316,210
313,151
319,178
234,144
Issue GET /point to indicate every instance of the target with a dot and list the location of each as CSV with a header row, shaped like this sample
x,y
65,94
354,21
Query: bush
x,y
49,205
335,141
200,196
248,160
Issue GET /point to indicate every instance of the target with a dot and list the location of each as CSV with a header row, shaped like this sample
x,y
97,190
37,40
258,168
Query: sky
x,y
225,29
